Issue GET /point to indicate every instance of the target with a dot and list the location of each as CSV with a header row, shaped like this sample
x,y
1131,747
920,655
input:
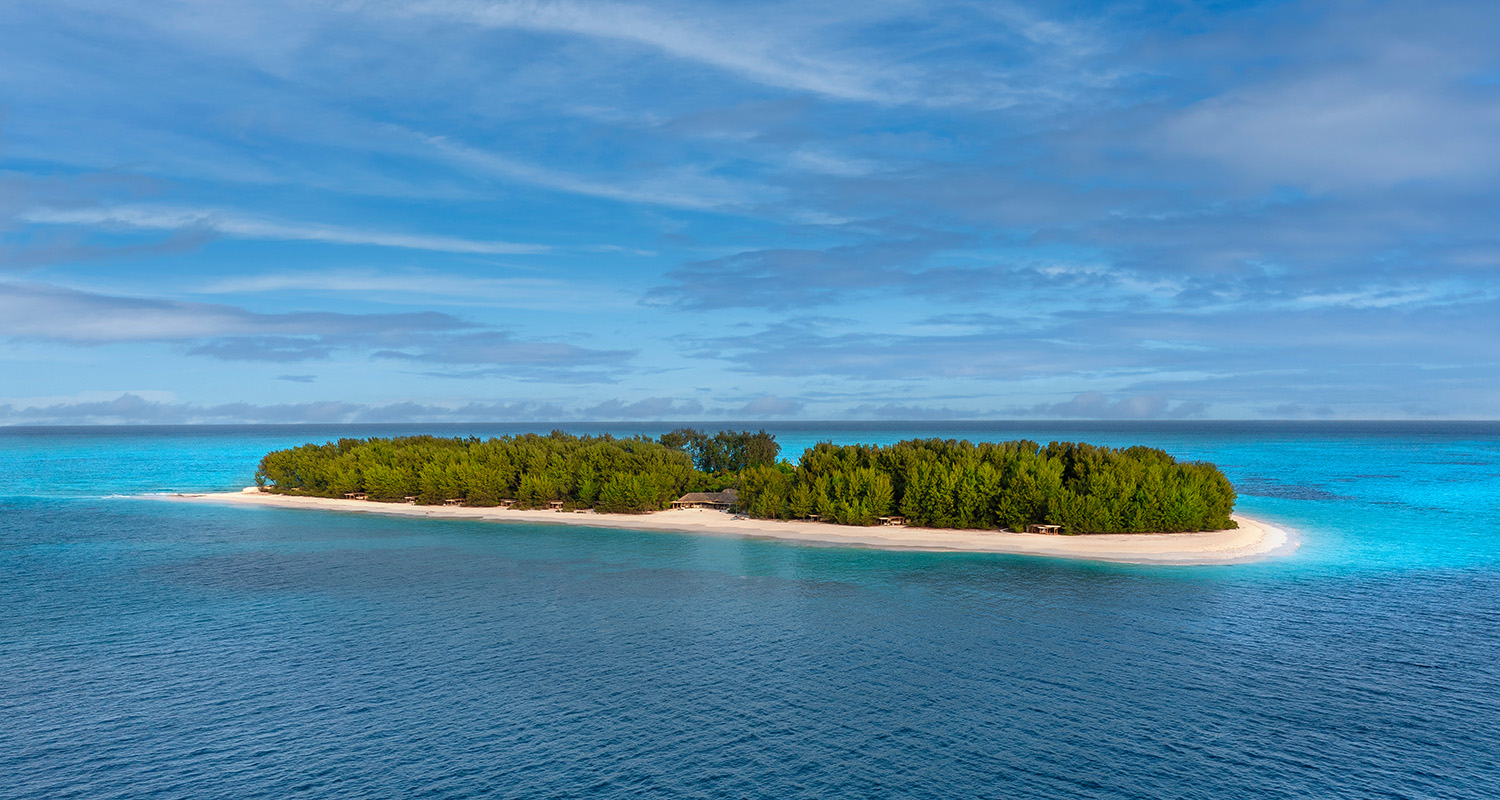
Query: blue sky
x,y
446,210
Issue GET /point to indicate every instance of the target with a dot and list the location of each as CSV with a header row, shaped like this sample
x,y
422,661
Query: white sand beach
x,y
1252,541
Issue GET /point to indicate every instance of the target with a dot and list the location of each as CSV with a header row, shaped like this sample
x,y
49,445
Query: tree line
x,y
941,483
933,482
604,473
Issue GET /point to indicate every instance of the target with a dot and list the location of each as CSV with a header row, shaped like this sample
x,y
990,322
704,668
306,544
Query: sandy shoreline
x,y
1252,541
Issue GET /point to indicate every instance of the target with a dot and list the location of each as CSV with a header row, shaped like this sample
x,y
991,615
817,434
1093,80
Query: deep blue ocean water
x,y
154,649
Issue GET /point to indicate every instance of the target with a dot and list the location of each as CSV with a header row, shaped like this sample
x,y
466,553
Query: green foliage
x,y
933,482
770,488
958,484
617,475
725,451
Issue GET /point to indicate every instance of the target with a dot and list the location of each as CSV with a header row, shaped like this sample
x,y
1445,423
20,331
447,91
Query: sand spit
x,y
1252,541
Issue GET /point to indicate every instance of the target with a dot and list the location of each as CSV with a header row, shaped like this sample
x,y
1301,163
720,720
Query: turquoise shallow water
x,y
166,650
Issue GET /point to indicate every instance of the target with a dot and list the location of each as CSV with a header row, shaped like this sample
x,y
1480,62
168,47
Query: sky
x,y
444,210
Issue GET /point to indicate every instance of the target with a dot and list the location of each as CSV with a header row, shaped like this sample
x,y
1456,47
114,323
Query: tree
x,y
938,483
725,451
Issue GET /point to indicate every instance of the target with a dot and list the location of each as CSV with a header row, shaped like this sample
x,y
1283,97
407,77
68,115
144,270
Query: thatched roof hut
x,y
719,501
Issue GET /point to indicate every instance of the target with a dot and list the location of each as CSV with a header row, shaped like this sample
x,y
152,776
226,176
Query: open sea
x,y
151,649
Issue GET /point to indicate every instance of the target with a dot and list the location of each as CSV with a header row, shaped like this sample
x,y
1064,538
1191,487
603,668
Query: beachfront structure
x,y
356,496
454,501
895,522
555,505
719,501
1047,529
507,503
410,499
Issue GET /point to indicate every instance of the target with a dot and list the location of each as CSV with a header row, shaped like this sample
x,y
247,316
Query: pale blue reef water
x,y
152,649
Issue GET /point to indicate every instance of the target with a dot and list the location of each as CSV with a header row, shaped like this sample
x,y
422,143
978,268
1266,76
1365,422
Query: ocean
x,y
165,650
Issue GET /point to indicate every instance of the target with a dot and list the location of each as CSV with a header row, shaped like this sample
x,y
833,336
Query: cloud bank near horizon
x,y
133,409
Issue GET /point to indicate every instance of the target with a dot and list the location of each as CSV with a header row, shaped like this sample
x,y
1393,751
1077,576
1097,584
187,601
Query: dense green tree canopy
x,y
933,482
725,451
609,474
958,484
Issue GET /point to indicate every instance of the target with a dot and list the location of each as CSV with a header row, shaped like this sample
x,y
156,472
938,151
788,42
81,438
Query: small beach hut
x,y
895,522
555,505
356,496
454,501
410,499
507,503
718,501
1052,530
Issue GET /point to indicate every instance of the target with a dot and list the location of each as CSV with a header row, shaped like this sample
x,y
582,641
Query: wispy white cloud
x,y
678,187
1342,131
170,218
500,348
450,289
1426,295
230,333
835,52
1355,96
764,60
826,163
50,312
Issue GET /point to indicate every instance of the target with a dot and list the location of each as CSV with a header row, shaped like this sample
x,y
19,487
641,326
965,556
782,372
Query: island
x,y
1123,504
